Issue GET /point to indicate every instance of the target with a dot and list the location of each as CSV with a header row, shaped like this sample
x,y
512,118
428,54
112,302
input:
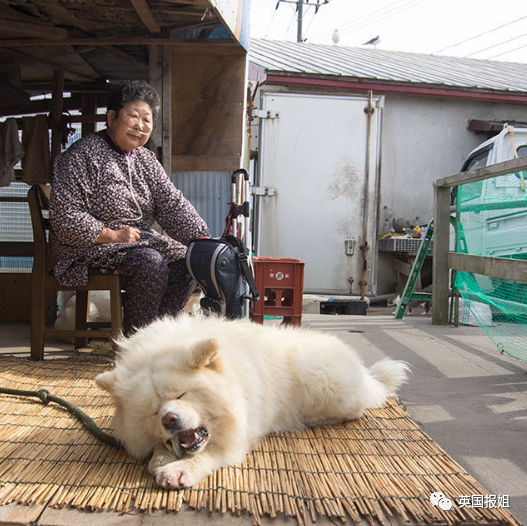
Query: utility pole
x,y
300,19
300,12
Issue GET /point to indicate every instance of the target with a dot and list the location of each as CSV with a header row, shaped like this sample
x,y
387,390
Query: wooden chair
x,y
43,281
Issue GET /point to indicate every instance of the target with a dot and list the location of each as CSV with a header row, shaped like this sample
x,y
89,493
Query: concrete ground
x,y
468,397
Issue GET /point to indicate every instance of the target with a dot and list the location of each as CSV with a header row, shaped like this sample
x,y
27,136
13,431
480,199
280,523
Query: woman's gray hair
x,y
130,90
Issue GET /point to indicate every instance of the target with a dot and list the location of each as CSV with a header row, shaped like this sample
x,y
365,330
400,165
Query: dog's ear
x,y
106,380
205,355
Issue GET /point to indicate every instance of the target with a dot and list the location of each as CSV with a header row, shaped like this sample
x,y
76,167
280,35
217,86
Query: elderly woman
x,y
107,190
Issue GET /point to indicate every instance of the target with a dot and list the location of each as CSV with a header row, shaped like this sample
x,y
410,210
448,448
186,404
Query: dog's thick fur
x,y
197,392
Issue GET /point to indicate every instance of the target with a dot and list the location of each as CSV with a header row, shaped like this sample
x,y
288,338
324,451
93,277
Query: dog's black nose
x,y
170,421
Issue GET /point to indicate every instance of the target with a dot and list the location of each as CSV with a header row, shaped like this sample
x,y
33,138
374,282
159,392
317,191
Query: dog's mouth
x,y
192,439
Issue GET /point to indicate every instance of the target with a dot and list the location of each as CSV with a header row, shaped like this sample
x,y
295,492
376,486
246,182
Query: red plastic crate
x,y
280,283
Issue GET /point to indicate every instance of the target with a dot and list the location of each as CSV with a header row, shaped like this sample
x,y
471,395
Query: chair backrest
x,y
38,198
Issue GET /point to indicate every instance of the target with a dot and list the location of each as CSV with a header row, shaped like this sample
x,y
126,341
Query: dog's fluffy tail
x,y
388,375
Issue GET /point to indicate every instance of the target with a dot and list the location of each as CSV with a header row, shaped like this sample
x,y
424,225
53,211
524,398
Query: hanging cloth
x,y
35,140
11,151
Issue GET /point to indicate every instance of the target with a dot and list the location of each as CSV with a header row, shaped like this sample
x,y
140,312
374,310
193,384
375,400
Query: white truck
x,y
499,227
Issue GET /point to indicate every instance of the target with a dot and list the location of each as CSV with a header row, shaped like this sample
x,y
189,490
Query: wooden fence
x,y
444,259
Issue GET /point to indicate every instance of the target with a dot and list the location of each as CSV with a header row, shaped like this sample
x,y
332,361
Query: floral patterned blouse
x,y
95,184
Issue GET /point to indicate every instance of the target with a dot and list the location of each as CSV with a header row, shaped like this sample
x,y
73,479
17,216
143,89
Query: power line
x,y
312,19
481,34
271,22
393,12
495,45
291,22
376,16
365,16
507,52
300,12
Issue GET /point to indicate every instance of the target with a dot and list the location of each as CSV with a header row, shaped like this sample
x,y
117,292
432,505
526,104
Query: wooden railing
x,y
444,259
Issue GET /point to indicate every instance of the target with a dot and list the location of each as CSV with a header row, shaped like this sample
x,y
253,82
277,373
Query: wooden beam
x,y
195,3
14,43
440,270
161,79
402,267
60,13
145,14
44,106
166,102
56,113
65,59
494,170
6,13
87,118
197,13
100,117
100,87
206,163
503,268
480,126
33,30
116,53
155,77
11,73
17,248
197,47
89,107
125,57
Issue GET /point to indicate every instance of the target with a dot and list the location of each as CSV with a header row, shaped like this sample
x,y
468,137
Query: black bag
x,y
220,266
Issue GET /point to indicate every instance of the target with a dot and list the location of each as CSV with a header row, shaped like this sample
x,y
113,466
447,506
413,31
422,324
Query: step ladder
x,y
408,294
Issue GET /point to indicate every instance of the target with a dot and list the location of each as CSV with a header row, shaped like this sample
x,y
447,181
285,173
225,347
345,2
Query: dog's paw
x,y
175,475
161,456
158,461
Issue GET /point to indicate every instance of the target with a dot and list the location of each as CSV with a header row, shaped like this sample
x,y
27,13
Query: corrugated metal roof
x,y
387,66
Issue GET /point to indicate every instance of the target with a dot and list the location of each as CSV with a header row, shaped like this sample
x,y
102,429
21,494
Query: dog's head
x,y
166,388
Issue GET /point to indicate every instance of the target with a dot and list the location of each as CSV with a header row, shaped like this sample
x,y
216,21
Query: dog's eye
x,y
181,395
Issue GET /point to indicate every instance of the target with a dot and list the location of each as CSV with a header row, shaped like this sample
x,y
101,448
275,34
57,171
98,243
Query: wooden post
x,y
155,70
89,107
166,109
441,273
56,113
160,78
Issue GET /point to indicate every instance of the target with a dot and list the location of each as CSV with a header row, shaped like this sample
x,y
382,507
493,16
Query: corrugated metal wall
x,y
210,193
15,225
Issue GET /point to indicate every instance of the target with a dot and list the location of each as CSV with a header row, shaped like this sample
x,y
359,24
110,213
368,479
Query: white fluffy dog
x,y
198,392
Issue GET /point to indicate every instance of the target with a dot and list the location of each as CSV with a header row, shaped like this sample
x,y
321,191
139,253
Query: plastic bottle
x,y
388,214
386,227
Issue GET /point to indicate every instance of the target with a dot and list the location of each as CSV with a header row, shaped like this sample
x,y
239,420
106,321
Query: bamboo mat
x,y
378,468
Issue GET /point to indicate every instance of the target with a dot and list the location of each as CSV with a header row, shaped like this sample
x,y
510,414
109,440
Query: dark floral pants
x,y
154,288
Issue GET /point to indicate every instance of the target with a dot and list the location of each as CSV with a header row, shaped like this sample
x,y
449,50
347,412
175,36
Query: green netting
x,y
492,221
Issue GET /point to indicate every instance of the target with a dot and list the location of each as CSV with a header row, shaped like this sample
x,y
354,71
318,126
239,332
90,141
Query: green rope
x,y
46,397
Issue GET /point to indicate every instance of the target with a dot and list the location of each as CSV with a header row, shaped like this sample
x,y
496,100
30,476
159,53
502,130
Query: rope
x,y
46,397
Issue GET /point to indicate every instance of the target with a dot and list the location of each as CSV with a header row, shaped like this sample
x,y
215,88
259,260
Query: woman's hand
x,y
123,235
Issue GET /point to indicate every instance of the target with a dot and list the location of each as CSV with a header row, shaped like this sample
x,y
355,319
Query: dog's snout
x,y
170,421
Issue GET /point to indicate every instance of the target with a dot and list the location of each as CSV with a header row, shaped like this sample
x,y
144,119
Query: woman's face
x,y
133,126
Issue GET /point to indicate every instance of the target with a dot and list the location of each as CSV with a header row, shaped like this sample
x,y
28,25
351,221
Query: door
x,y
318,158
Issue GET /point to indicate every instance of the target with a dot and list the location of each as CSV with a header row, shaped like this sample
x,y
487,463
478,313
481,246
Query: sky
x,y
479,29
